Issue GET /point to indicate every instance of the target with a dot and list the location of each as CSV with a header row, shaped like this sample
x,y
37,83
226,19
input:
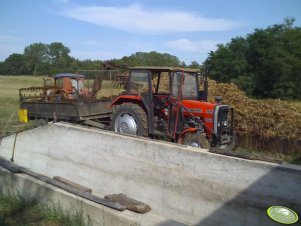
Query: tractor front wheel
x,y
131,119
196,140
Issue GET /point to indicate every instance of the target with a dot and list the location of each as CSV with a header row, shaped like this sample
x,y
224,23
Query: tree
x,y
57,50
14,65
36,54
149,59
265,64
228,64
194,65
275,56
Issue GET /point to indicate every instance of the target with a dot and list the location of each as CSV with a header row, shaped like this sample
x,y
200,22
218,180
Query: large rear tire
x,y
196,140
131,119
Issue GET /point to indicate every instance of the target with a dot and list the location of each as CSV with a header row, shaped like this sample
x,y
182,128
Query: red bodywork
x,y
202,109
125,98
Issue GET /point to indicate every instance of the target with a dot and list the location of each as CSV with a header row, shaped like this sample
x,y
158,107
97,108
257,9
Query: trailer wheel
x,y
196,140
131,119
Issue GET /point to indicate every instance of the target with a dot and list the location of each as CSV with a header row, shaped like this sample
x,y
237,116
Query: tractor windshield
x,y
139,82
189,88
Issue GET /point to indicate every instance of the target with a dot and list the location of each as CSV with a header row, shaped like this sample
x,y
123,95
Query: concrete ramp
x,y
184,184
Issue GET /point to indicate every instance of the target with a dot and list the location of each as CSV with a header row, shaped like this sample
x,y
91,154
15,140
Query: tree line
x,y
44,59
265,63
49,59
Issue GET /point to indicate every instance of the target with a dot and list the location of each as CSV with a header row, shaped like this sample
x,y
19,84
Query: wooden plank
x,y
73,184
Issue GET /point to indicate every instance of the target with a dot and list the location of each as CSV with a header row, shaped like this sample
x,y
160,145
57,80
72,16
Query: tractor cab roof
x,y
159,68
68,75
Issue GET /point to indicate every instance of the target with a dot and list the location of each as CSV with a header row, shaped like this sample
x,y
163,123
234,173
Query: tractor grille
x,y
221,123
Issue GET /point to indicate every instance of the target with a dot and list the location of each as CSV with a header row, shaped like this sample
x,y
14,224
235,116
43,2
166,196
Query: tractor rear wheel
x,y
196,140
131,119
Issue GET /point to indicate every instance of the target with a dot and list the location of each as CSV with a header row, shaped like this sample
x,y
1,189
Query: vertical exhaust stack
x,y
205,94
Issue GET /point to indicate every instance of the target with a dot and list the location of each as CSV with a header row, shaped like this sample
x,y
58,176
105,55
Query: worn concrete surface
x,y
181,183
94,214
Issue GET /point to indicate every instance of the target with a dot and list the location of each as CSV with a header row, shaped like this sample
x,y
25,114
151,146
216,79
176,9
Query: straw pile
x,y
266,119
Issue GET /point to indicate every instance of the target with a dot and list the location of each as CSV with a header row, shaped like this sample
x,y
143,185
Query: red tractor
x,y
167,103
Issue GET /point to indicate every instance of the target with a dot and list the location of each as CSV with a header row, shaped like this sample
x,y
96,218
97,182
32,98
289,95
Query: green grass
x,y
9,101
16,211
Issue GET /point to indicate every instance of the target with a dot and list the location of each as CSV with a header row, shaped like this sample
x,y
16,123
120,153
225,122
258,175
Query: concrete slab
x,y
181,183
94,214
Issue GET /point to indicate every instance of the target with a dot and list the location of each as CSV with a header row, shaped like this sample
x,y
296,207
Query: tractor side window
x,y
190,86
164,83
139,82
60,82
176,83
155,79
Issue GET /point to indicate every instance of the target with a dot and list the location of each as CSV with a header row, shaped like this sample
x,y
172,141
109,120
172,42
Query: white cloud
x,y
138,20
193,46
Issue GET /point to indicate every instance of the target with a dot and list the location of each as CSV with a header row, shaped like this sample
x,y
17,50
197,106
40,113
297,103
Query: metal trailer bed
x,y
74,111
50,103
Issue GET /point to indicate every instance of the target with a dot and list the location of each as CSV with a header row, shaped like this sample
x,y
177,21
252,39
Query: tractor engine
x,y
214,119
194,122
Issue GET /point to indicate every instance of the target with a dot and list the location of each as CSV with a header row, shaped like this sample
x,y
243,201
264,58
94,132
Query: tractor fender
x,y
188,130
125,98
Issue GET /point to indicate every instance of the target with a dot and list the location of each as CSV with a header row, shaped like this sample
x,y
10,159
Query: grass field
x,y
14,210
9,101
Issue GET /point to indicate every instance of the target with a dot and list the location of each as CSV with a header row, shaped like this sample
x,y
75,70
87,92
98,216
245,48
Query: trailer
x,y
69,97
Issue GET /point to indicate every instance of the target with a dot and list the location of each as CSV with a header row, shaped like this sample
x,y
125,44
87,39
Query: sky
x,y
107,29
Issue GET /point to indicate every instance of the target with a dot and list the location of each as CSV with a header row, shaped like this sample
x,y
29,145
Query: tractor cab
x,y
168,102
70,85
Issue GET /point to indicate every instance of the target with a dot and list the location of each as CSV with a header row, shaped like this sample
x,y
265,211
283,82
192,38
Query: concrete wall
x,y
93,214
181,183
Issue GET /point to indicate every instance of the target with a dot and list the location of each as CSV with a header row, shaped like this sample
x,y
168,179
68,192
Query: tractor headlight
x,y
225,123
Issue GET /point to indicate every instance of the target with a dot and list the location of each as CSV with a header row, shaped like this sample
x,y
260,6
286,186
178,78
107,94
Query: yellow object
x,y
23,115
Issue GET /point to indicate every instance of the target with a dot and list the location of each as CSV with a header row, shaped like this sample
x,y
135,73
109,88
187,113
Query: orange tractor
x,y
66,86
165,102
